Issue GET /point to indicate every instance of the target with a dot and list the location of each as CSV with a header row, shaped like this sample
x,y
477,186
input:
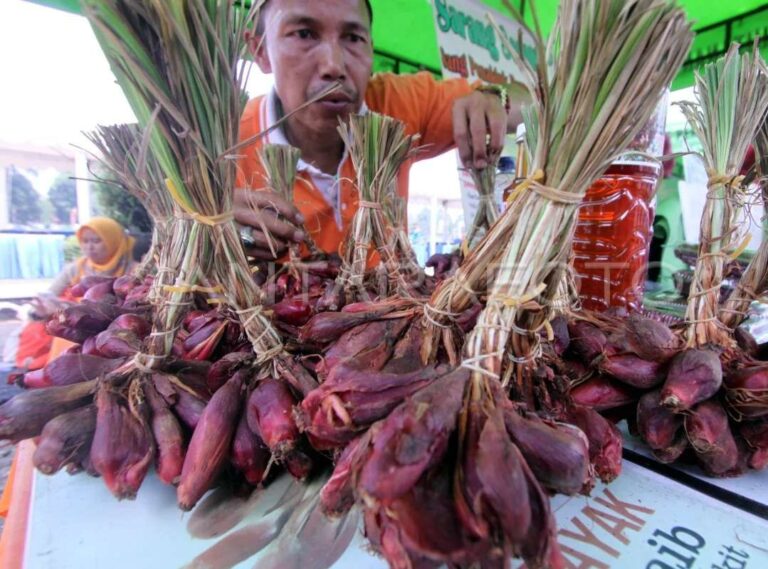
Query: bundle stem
x,y
731,105
754,282
378,147
612,62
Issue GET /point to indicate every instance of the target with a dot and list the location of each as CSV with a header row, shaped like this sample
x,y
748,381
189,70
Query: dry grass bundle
x,y
732,102
179,66
378,147
612,62
487,210
280,163
397,212
123,154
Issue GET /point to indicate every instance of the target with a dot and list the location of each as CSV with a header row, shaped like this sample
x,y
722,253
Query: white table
x,y
752,485
76,523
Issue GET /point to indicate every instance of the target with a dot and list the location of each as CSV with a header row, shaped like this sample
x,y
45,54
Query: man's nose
x,y
331,65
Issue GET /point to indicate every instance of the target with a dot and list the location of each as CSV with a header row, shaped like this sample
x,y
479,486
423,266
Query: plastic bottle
x,y
613,236
505,178
521,164
615,226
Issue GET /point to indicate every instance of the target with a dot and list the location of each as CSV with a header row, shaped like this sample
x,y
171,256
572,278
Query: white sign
x,y
469,45
646,521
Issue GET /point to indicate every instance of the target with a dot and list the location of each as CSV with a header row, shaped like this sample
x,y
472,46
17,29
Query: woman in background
x,y
108,252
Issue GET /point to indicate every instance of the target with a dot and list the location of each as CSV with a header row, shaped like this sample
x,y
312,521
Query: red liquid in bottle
x,y
613,237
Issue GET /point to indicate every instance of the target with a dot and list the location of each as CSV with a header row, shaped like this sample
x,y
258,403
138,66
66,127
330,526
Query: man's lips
x,y
336,102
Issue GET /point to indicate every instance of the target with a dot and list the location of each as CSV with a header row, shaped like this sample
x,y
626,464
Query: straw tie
x,y
213,220
210,220
184,288
715,179
533,183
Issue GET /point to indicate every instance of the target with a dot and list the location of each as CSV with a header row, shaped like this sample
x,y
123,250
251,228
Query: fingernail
x,y
298,236
480,164
300,218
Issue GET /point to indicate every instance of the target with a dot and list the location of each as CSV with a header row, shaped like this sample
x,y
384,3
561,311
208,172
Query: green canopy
x,y
404,29
405,38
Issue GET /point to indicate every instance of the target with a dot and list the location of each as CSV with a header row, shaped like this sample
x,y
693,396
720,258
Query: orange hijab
x,y
119,247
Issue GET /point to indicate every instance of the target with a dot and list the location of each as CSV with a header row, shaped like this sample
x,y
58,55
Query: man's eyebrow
x,y
303,20
298,19
355,27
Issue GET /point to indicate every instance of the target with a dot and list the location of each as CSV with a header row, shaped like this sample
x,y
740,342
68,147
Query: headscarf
x,y
119,248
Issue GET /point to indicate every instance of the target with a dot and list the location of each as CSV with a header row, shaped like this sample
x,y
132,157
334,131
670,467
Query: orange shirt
x,y
422,103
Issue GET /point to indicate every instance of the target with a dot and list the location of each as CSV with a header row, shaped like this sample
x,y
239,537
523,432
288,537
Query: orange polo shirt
x,y
422,103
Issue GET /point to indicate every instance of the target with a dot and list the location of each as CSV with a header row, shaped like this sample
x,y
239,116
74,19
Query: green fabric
x,y
404,29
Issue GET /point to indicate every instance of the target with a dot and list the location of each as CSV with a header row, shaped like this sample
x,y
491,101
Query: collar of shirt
x,y
328,184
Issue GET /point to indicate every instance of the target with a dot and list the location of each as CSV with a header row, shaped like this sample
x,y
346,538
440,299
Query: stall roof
x,y
405,38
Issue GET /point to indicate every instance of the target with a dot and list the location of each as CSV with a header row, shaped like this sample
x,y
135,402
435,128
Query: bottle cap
x,y
506,164
520,132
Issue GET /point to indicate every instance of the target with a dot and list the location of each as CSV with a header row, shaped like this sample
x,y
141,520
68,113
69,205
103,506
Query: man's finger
x,y
268,241
268,222
461,132
265,247
268,200
497,126
478,129
262,254
279,228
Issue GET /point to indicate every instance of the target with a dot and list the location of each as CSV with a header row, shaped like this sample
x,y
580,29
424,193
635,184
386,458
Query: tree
x,y
63,196
113,201
25,201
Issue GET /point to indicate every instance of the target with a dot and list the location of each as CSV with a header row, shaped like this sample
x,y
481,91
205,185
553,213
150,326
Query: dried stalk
x,y
465,288
566,299
487,210
754,282
613,60
280,165
732,102
397,212
124,155
481,257
124,152
378,146
178,64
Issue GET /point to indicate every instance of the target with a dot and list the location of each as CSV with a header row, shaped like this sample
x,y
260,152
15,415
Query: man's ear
x,y
258,49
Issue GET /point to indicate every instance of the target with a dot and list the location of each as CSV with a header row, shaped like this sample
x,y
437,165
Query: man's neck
x,y
323,150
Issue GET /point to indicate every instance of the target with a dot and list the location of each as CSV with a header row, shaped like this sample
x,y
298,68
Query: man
x,y
309,46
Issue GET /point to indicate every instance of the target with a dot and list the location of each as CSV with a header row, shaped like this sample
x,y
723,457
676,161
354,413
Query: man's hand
x,y
474,118
273,221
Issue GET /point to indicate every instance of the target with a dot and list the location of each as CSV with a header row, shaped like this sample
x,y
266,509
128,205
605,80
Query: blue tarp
x,y
30,256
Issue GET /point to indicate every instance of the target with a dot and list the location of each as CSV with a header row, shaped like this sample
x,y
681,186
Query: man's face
x,y
309,45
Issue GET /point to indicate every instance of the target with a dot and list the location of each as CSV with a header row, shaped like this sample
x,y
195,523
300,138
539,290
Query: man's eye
x,y
355,38
304,34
